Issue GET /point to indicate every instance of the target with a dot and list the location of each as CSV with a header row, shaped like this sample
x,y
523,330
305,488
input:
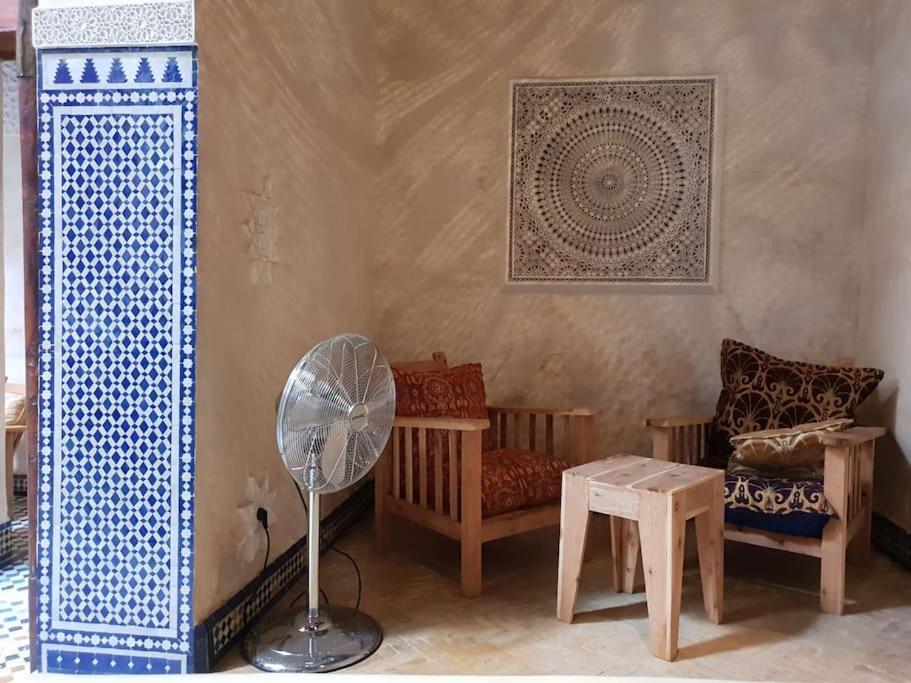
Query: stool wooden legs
x,y
625,554
662,527
710,539
574,521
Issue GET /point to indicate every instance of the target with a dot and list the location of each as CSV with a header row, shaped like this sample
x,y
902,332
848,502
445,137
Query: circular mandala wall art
x,y
612,181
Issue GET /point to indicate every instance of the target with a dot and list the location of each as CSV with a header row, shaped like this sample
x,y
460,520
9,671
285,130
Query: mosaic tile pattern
x,y
117,359
14,655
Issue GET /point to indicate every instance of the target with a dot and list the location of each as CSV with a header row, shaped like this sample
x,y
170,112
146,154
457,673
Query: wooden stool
x,y
659,496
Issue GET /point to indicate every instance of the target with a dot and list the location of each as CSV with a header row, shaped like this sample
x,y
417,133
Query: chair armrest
x,y
536,410
669,422
452,423
852,437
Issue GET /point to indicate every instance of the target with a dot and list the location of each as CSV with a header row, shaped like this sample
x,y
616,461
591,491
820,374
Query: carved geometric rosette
x,y
611,181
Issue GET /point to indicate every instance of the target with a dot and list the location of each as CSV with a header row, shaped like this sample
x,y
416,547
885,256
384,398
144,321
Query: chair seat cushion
x,y
783,506
774,496
511,479
804,524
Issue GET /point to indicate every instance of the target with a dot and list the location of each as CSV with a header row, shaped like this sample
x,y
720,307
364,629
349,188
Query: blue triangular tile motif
x,y
63,76
144,73
117,74
172,72
89,72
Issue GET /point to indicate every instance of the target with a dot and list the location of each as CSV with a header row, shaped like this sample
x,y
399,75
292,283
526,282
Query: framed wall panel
x,y
117,318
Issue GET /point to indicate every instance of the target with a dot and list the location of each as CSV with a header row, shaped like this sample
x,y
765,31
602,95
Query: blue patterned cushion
x,y
774,496
798,524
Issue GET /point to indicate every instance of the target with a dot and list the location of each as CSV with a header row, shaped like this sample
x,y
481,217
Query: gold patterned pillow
x,y
791,453
760,391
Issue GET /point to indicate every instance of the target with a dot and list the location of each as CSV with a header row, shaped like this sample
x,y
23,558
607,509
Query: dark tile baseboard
x,y
221,631
892,540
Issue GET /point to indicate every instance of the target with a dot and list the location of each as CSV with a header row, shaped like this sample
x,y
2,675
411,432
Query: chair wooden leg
x,y
381,520
471,518
832,574
859,547
471,563
710,540
381,484
662,529
574,527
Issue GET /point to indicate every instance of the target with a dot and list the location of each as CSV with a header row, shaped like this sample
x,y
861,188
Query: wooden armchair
x,y
14,431
457,512
847,486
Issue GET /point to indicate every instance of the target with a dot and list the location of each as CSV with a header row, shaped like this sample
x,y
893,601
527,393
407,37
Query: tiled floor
x,y
14,599
772,630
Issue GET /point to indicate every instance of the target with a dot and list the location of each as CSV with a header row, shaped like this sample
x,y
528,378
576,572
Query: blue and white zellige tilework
x,y
117,130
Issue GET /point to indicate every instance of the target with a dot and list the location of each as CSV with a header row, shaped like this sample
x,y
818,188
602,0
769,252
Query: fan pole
x,y
313,555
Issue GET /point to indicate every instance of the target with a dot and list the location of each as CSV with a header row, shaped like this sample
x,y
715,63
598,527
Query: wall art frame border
x,y
712,283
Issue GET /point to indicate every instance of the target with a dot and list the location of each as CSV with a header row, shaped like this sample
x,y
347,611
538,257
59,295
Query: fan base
x,y
294,642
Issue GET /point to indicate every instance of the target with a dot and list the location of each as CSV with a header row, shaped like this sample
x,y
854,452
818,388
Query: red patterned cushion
x,y
511,479
760,391
456,392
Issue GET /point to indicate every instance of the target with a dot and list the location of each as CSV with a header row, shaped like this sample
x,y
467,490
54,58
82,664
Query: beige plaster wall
x,y
885,313
794,81
287,88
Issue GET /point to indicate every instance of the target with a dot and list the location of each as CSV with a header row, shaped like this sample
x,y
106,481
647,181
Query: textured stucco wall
x,y
793,87
286,89
885,323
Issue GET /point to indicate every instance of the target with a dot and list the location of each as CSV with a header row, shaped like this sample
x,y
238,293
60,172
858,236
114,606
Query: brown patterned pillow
x,y
790,453
760,391
455,392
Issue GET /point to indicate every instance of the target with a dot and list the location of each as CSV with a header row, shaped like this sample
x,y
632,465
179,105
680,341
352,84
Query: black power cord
x,y
357,570
262,514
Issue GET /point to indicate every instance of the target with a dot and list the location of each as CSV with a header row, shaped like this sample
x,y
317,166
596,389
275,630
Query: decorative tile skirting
x,y
117,359
170,22
218,634
892,540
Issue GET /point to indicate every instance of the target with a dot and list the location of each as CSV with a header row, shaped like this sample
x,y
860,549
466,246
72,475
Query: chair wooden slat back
x,y
438,362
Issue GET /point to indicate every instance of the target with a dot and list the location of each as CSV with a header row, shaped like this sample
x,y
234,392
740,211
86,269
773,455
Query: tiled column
x,y
117,94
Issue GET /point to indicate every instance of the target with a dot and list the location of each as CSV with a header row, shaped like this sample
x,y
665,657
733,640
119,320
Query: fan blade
x,y
315,411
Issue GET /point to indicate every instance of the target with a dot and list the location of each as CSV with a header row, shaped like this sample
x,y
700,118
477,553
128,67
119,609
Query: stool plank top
x,y
649,501
636,472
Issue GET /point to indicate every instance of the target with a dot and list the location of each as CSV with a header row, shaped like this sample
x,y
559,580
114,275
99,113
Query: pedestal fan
x,y
334,419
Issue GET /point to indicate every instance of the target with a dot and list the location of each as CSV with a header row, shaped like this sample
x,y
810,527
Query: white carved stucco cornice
x,y
137,23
